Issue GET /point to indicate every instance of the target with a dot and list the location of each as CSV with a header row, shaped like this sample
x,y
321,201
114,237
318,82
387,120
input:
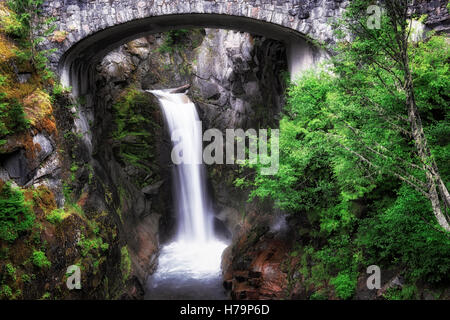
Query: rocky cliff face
x,y
236,80
437,14
239,82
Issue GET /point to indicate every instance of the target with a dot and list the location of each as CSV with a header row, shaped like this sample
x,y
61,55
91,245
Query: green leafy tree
x,y
359,159
376,71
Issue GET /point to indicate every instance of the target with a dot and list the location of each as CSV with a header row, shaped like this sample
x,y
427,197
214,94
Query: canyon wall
x,y
103,159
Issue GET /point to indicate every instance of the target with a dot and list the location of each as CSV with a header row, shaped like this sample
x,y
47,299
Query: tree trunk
x,y
423,151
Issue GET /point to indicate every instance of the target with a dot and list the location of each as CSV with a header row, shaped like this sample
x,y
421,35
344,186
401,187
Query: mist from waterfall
x,y
189,267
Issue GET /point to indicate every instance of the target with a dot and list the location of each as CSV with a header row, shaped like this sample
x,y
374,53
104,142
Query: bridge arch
x,y
92,28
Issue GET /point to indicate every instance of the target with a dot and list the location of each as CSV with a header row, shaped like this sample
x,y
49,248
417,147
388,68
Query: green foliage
x,y
173,40
127,118
345,285
46,296
5,291
407,292
20,25
90,245
56,216
10,271
24,10
343,142
135,128
12,116
16,217
318,296
125,263
399,235
4,253
40,260
59,89
73,169
26,278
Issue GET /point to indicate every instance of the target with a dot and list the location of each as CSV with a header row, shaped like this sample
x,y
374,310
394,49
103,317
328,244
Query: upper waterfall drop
x,y
193,259
194,218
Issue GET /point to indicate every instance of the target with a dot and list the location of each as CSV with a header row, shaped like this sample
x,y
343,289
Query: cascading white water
x,y
194,222
189,267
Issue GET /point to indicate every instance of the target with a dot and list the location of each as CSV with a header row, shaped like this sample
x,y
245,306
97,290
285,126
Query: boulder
x,y
152,189
45,148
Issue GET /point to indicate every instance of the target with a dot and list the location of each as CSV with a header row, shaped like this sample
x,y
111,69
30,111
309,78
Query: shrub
x,y
46,296
26,278
40,259
91,244
408,292
174,39
56,216
318,295
16,216
10,271
5,291
12,117
345,285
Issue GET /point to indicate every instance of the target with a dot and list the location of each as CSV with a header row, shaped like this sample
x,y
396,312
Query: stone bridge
x,y
88,29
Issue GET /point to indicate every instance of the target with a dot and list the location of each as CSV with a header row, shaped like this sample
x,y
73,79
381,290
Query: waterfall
x,y
189,267
194,220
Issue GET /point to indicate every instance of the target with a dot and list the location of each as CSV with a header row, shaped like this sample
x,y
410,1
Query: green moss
x,y
104,246
73,169
135,129
10,271
17,294
40,260
56,216
407,292
4,253
46,296
26,278
89,245
12,116
174,39
59,89
125,263
5,291
318,295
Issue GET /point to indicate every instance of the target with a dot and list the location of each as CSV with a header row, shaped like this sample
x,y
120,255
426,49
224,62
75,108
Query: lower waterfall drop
x,y
190,266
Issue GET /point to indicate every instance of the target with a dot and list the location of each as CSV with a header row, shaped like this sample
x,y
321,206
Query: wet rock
x,y
395,283
45,146
139,47
144,247
4,175
181,89
264,279
209,90
135,290
16,164
238,74
152,189
24,77
116,66
149,81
